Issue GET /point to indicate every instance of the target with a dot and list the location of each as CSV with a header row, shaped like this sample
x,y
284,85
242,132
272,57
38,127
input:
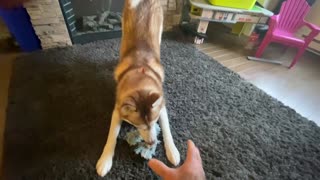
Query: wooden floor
x,y
298,88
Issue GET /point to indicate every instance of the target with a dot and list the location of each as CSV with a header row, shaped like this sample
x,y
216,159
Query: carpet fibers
x,y
61,101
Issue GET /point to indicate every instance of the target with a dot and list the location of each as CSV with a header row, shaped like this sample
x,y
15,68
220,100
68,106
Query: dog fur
x,y
139,76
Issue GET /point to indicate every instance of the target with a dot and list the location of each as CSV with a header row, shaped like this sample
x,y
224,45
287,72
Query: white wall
x,y
271,4
314,14
313,17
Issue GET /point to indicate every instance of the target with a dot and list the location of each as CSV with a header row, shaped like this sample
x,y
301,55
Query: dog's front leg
x,y
104,164
171,151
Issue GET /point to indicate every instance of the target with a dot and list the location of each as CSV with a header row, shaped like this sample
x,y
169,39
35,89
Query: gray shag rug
x,y
61,101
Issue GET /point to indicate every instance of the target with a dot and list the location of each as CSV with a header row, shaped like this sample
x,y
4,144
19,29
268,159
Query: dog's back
x,y
139,74
142,26
140,44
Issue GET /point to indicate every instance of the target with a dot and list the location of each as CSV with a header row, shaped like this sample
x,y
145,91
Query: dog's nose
x,y
150,143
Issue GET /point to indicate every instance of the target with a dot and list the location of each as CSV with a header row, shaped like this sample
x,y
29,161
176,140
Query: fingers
x,y
193,152
158,167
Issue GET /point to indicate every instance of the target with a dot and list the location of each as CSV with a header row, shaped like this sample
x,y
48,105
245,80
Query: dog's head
x,y
141,108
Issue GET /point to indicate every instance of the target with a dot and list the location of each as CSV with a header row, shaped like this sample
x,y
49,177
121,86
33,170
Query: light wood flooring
x,y
298,87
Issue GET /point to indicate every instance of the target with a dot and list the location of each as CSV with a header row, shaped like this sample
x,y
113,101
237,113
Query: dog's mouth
x,y
150,143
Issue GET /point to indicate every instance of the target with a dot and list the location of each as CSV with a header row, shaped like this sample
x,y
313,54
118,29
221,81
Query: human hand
x,y
190,170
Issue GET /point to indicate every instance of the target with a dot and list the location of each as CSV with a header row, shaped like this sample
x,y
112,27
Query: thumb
x,y
158,167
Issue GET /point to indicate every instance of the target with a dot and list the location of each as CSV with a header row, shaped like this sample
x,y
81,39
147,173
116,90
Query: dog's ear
x,y
128,106
155,99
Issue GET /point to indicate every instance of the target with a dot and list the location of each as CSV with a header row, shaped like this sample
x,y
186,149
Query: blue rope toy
x,y
146,151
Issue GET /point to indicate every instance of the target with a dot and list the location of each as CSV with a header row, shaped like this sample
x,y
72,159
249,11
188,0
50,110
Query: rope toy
x,y
146,151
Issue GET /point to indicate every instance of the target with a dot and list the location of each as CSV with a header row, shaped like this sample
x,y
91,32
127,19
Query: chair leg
x,y
285,49
298,55
266,41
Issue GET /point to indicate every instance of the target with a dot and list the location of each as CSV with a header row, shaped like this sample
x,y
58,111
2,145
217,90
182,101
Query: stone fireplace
x,y
60,23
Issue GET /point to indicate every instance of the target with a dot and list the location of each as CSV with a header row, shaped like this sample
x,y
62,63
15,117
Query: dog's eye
x,y
129,109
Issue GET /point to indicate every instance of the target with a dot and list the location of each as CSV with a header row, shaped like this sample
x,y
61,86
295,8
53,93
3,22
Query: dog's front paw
x,y
173,154
104,165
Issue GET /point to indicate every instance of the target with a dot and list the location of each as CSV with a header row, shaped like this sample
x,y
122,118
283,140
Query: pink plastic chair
x,y
282,28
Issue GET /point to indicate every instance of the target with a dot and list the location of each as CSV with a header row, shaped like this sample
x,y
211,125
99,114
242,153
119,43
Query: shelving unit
x,y
210,13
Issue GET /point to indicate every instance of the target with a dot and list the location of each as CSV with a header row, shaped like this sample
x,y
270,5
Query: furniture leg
x,y
262,47
298,55
203,25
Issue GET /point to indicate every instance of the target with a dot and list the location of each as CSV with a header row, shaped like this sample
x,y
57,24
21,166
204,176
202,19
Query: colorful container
x,y
241,4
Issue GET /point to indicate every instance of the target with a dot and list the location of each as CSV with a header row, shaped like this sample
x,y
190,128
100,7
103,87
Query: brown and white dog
x,y
139,76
